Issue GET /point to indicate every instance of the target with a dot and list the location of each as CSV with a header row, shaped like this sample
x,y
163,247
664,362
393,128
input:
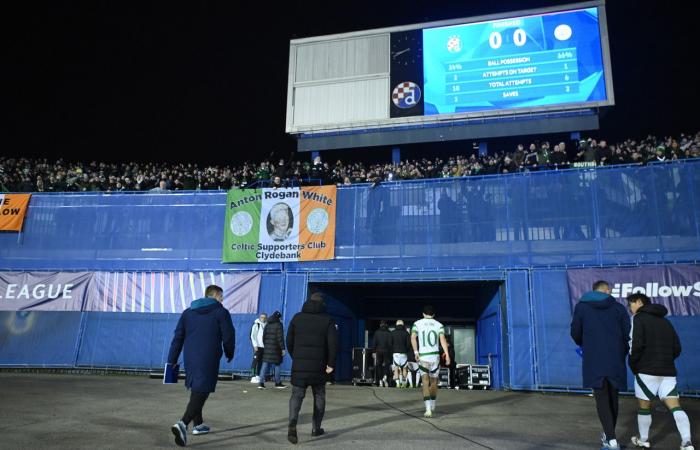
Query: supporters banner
x,y
43,291
132,292
13,208
280,225
677,287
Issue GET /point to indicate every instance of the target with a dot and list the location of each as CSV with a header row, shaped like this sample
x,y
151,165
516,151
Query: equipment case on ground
x,y
445,378
362,366
473,376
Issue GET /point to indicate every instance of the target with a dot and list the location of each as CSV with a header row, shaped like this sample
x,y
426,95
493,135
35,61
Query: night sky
x,y
207,82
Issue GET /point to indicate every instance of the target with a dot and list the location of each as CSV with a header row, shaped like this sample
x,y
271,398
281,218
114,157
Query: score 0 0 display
x,y
526,62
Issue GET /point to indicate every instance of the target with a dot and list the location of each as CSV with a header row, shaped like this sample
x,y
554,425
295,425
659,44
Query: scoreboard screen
x,y
522,62
540,71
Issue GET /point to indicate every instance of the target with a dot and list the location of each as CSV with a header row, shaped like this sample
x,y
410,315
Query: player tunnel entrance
x,y
471,311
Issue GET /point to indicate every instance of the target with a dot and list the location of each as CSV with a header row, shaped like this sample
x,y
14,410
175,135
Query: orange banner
x,y
317,223
13,207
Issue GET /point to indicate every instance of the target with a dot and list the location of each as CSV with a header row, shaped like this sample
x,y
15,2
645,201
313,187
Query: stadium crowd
x,y
41,175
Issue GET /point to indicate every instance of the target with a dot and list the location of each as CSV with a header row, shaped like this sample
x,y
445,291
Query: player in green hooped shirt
x,y
425,335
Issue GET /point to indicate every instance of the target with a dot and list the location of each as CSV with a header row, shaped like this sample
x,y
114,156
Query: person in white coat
x,y
256,338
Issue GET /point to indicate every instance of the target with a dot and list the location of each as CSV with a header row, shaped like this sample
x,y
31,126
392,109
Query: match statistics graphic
x,y
280,225
524,62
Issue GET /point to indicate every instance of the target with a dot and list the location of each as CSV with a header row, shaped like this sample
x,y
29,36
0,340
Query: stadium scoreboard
x,y
538,61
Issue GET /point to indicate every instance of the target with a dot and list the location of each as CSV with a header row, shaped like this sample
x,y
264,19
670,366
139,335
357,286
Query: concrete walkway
x,y
90,411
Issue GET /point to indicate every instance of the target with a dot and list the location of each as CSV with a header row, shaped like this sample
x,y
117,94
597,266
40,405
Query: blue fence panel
x,y
558,217
243,355
558,364
520,345
688,364
144,231
627,211
295,296
490,348
271,300
122,340
677,186
38,338
142,341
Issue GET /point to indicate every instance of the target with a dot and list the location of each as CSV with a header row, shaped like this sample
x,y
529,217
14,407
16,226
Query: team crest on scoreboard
x,y
406,95
454,44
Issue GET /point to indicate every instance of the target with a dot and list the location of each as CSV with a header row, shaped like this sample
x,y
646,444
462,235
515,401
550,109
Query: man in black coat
x,y
203,329
601,327
654,347
312,343
382,355
400,345
273,350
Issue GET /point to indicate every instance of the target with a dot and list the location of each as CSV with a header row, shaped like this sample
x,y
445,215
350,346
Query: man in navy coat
x,y
204,328
601,327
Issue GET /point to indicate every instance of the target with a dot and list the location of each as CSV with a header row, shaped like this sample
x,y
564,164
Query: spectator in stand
x,y
277,183
280,169
636,157
530,161
587,151
660,155
604,153
558,156
519,157
508,166
618,157
445,172
22,174
318,170
562,147
263,172
543,155
160,188
693,152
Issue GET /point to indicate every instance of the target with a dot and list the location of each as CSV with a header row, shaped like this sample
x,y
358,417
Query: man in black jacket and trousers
x,y
382,355
654,347
203,329
312,343
400,347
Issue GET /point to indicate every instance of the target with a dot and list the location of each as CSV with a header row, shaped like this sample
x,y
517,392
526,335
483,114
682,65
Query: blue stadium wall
x,y
523,230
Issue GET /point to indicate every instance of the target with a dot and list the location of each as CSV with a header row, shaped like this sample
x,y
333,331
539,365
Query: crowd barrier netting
x,y
604,216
